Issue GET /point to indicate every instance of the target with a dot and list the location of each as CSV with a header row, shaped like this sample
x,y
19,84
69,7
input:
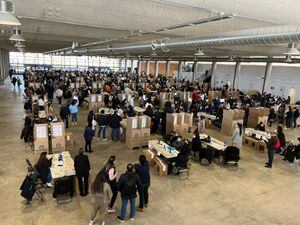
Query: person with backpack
x,y
109,173
101,193
143,170
128,184
273,145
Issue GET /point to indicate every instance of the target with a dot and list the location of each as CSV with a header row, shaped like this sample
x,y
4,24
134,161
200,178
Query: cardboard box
x,y
145,132
133,134
40,131
58,137
58,144
144,141
41,145
150,156
144,122
132,123
132,143
213,94
69,139
92,98
256,114
161,167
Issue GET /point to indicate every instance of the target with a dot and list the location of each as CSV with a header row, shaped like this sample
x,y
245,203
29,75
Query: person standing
x,y
237,136
289,118
114,123
59,93
90,118
82,168
295,116
128,184
110,175
201,125
143,170
102,122
65,114
273,144
74,109
101,196
89,134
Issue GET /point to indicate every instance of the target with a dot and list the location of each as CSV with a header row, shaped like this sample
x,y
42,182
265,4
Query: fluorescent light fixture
x,y
19,45
199,52
230,59
6,18
17,35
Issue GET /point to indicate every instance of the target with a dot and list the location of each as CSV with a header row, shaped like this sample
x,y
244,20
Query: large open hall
x,y
149,112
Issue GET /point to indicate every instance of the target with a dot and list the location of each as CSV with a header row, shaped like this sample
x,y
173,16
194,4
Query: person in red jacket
x,y
273,145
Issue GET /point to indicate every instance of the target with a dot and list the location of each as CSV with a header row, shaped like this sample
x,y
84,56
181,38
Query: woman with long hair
x,y
43,167
237,136
101,196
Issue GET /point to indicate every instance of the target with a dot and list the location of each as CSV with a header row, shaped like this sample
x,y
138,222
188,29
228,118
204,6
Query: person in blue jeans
x,y
128,184
114,123
74,109
102,122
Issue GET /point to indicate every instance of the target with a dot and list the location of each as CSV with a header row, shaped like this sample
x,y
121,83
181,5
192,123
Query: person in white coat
x,y
237,136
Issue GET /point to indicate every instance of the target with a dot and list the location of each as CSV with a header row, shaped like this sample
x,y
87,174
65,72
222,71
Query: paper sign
x,y
175,119
100,98
144,122
134,123
93,98
57,130
41,132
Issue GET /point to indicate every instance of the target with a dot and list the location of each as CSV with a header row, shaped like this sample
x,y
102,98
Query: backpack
x,y
130,183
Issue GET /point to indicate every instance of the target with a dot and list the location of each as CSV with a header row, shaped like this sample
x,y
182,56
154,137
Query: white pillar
x,y
213,74
120,64
180,64
194,71
139,67
126,65
156,69
236,77
132,68
267,79
147,67
167,68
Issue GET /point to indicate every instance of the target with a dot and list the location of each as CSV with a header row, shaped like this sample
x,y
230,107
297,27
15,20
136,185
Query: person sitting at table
x,y
181,161
231,153
43,167
260,126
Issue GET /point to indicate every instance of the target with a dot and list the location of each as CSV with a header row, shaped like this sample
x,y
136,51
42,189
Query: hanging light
x,y
153,54
230,59
288,59
17,35
292,50
6,18
199,52
19,45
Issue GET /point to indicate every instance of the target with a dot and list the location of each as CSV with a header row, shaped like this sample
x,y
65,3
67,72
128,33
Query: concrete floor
x,y
212,195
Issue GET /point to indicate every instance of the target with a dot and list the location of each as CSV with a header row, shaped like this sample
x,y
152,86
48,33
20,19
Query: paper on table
x,y
134,123
144,121
41,132
57,130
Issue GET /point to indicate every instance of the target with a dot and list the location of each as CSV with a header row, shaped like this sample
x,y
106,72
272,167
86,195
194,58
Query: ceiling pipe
x,y
262,36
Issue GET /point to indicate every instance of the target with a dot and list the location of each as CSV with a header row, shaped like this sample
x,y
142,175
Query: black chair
x,y
63,190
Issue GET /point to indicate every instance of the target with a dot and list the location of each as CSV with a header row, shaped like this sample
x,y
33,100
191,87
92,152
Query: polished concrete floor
x,y
212,195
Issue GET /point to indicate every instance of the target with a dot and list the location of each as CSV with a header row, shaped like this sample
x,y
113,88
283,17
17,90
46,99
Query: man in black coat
x,y
65,114
114,123
82,167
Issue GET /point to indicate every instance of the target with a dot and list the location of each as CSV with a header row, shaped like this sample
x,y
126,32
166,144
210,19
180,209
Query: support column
x,y
120,64
213,74
4,65
167,68
147,67
132,68
180,63
267,79
236,77
139,67
156,69
194,71
126,65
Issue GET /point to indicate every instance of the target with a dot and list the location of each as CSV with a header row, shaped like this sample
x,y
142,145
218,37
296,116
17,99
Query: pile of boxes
x,y
185,96
230,119
179,122
138,131
96,101
154,161
165,97
214,94
58,137
257,115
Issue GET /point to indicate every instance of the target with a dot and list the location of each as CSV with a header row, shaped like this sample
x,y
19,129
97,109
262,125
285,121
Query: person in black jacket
x,y
128,184
295,116
149,111
90,118
155,120
196,144
143,170
43,167
231,153
82,168
102,123
65,114
89,134
114,123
